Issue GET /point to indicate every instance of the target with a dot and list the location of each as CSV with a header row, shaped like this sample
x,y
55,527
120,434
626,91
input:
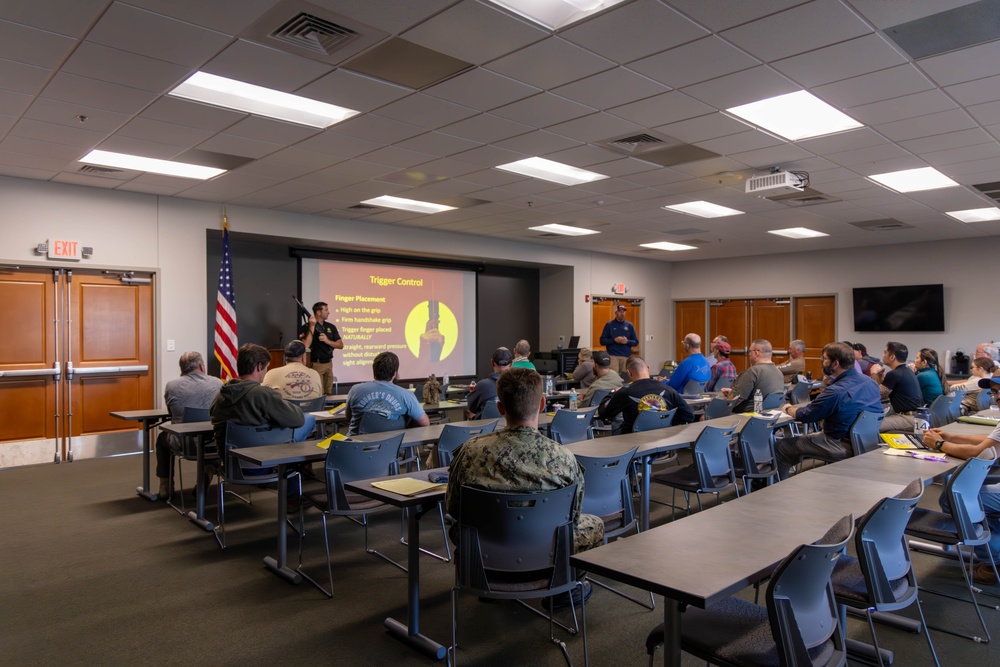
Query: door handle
x,y
38,372
105,370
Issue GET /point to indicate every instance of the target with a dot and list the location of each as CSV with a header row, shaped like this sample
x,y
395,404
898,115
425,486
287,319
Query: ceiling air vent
x,y
806,197
881,225
635,142
991,190
364,207
99,171
311,32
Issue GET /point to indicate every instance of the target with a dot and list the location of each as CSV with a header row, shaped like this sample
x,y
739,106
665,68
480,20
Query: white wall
x,y
167,235
971,314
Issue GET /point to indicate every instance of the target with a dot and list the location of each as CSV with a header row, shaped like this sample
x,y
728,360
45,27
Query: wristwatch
x,y
937,445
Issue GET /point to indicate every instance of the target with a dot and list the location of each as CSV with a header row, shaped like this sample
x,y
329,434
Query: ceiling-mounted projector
x,y
777,183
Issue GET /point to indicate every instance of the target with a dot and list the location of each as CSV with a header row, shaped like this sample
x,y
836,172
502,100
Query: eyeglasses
x,y
995,392
753,349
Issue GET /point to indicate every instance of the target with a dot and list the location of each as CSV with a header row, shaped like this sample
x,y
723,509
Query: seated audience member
x,y
193,389
294,381
712,357
849,394
521,353
383,397
694,367
982,367
987,350
584,371
857,363
796,364
246,401
930,375
606,378
486,389
519,459
762,376
644,393
865,360
723,367
967,447
899,386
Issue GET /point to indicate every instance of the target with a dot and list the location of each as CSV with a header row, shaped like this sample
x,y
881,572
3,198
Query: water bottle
x,y
550,385
758,402
472,385
444,382
921,422
572,399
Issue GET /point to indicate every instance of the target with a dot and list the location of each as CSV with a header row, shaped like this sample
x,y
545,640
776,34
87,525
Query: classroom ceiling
x,y
449,89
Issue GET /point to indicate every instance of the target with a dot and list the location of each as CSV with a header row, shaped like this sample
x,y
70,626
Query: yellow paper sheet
x,y
337,410
897,441
325,444
408,486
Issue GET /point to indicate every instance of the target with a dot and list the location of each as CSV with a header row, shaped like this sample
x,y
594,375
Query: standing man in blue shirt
x,y
619,337
849,394
694,367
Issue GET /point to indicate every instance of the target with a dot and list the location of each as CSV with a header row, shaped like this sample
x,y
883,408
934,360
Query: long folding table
x,y
149,419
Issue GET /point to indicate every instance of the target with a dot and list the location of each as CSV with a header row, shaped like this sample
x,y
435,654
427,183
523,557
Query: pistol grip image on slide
x,y
431,331
432,340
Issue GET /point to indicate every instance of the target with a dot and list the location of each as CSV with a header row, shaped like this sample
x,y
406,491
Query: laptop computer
x,y
574,342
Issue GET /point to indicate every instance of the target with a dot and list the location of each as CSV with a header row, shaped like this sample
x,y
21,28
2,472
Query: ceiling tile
x,y
537,143
740,142
21,77
274,131
703,128
583,156
698,61
974,62
353,91
482,90
925,126
99,94
863,137
611,88
899,108
44,149
721,14
438,143
175,110
748,86
397,157
486,128
634,31
128,69
13,104
662,109
862,156
874,87
339,145
780,35
169,133
227,16
65,18
138,31
31,46
595,127
543,110
976,92
942,142
549,63
854,57
887,14
242,146
962,154
132,146
771,156
474,32
986,114
374,128
66,113
261,66
489,156
394,16
426,111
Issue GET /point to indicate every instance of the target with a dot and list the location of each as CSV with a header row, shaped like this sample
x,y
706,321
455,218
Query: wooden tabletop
x,y
141,415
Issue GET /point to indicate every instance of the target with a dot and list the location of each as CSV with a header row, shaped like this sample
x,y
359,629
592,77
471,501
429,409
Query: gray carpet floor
x,y
93,574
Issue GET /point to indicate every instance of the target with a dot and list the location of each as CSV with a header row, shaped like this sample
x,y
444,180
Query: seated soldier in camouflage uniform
x,y
519,459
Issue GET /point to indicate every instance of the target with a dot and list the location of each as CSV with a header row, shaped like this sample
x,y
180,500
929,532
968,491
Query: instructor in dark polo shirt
x,y
322,339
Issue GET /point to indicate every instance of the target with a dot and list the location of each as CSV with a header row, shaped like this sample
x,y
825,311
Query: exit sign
x,y
62,249
619,289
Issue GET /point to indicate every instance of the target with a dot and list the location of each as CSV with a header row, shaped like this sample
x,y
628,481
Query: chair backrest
x,y
718,407
624,376
939,411
773,400
756,443
800,393
607,493
985,399
962,489
454,436
242,435
694,387
882,549
349,461
512,533
572,425
955,406
713,460
196,415
599,395
490,410
650,420
801,607
864,432
309,404
723,383
373,422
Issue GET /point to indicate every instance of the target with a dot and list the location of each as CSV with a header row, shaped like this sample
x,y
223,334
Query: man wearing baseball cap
x,y
294,381
605,377
966,447
619,337
723,367
486,389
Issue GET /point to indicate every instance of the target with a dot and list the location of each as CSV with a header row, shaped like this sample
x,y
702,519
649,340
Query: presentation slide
x,y
427,316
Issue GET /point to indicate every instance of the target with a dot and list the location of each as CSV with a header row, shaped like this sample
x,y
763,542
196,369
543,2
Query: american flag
x,y
226,343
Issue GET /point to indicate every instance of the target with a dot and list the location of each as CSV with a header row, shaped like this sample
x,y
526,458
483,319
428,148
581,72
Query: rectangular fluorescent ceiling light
x,y
151,165
797,233
666,245
555,14
795,116
914,180
703,209
408,204
231,94
976,214
547,170
565,230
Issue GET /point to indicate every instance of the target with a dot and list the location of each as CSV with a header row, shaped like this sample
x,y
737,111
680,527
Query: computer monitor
x,y
574,342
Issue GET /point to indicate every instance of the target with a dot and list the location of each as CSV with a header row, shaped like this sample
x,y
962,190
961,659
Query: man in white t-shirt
x,y
294,381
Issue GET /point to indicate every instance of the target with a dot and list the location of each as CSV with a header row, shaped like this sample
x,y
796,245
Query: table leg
x,y
671,633
143,490
198,516
410,633
279,565
647,472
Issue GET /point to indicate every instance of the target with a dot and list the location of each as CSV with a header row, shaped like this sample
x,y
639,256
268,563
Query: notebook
x,y
903,440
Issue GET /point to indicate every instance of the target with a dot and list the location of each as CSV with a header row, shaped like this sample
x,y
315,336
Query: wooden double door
x,y
74,346
745,320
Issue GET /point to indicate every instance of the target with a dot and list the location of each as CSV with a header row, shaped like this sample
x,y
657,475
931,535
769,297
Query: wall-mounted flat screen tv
x,y
900,308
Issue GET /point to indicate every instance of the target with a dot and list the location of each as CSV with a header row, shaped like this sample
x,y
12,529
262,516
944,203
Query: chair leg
x,y
927,633
974,601
453,649
329,565
375,552
220,534
871,627
650,606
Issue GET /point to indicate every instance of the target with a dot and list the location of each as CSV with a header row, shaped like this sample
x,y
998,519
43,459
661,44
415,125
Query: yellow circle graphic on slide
x,y
417,325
